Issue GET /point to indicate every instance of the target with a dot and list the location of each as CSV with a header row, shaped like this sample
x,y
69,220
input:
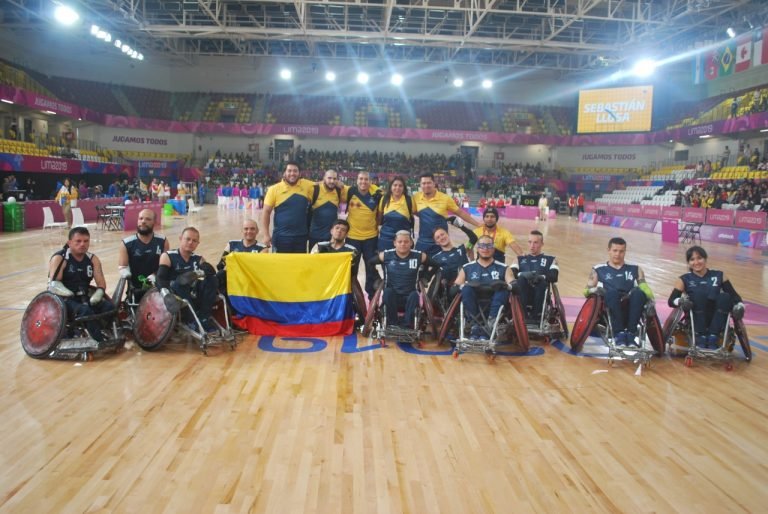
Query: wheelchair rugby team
x,y
465,294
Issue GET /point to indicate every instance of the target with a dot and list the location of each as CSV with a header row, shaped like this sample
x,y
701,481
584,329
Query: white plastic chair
x,y
78,220
48,220
192,208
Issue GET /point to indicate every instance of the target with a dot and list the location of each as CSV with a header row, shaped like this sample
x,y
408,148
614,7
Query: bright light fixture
x,y
396,79
285,74
330,76
705,136
487,84
644,68
731,33
362,77
118,43
9,102
94,30
457,82
65,15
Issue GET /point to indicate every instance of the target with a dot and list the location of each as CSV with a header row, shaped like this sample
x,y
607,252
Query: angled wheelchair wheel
x,y
358,299
655,334
373,308
429,312
560,311
154,324
671,323
450,323
43,324
518,322
743,337
586,320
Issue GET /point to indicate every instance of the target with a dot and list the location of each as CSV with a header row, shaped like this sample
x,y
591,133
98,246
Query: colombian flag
x,y
296,295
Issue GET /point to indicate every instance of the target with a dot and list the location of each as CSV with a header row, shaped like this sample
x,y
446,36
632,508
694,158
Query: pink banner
x,y
721,218
694,215
51,165
671,212
651,211
590,206
618,210
751,220
635,211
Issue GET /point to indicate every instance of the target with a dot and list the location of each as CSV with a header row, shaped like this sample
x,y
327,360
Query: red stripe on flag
x,y
262,327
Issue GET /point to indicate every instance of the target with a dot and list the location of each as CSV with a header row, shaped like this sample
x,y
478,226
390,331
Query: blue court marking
x,y
567,349
349,345
267,344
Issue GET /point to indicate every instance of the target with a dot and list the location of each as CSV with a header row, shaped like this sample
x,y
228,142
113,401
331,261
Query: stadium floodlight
x,y
102,34
330,76
118,43
362,77
107,37
65,15
457,82
285,74
125,49
644,68
140,57
94,30
487,84
396,80
731,33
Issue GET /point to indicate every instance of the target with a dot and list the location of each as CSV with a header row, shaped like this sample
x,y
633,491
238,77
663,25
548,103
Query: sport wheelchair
x,y
377,328
552,323
154,324
506,327
679,333
48,332
594,314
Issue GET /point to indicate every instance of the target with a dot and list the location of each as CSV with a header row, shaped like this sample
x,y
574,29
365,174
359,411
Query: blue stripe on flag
x,y
295,313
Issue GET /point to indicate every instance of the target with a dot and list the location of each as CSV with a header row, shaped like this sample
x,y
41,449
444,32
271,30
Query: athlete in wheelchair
x,y
536,282
620,304
480,318
401,291
73,319
186,298
707,315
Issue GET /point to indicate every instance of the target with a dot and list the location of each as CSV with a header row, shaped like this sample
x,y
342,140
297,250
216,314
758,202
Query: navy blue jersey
x,y
539,264
701,289
76,275
180,266
143,258
622,279
451,261
476,272
401,273
327,247
237,245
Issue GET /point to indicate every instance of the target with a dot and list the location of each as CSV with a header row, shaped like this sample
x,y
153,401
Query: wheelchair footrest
x,y
475,346
403,335
77,345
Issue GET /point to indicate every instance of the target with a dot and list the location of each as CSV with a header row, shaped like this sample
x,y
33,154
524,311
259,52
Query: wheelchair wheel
x,y
560,311
154,324
655,335
586,320
429,312
741,334
670,324
518,322
43,324
373,309
450,321
358,299
219,313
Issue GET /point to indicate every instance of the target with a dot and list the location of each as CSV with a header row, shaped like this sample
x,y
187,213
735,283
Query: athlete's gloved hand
x,y
530,276
97,296
125,272
597,290
187,278
684,302
59,289
171,302
457,222
738,311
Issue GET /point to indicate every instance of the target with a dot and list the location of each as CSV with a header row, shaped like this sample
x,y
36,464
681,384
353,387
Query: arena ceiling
x,y
563,35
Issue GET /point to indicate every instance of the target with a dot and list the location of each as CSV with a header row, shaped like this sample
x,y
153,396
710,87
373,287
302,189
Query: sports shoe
x,y
713,341
701,341
620,339
632,339
477,332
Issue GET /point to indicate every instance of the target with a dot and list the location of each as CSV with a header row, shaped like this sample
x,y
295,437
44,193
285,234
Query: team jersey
x,y
401,273
701,289
325,210
179,265
622,279
143,258
327,247
539,264
501,239
432,214
76,275
291,205
395,217
451,261
361,209
476,272
237,245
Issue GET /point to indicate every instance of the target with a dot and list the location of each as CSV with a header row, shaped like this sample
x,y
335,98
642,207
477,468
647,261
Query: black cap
x,y
491,210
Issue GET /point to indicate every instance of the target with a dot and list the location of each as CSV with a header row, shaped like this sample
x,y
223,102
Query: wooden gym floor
x,y
382,430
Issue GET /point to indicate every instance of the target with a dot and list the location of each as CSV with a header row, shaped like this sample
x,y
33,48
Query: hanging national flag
x,y
743,52
292,294
727,59
698,69
711,64
760,47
